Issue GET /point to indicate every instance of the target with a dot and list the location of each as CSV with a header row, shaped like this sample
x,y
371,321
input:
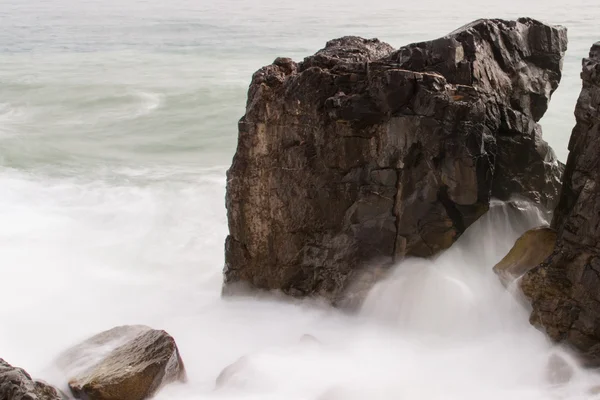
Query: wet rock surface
x,y
17,384
127,362
532,248
362,155
565,289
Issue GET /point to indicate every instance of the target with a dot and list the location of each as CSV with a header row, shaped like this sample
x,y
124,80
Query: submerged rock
x,y
127,362
533,247
558,370
361,155
309,340
228,375
17,384
565,289
242,372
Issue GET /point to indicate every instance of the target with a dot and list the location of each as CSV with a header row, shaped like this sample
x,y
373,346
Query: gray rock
x,y
565,289
361,155
17,384
126,362
558,370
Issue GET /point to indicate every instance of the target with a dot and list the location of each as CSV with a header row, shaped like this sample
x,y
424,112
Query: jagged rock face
x,y
565,289
362,155
17,384
127,362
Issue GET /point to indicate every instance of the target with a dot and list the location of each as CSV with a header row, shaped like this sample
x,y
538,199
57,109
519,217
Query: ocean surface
x,y
118,120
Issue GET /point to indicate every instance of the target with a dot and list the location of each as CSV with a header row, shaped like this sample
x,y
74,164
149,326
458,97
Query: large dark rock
x,y
565,288
17,384
126,362
361,155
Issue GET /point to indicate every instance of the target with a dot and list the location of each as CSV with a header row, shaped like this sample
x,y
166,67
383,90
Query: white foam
x,y
80,257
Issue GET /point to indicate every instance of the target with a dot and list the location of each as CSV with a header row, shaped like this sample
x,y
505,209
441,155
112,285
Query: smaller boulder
x,y
127,362
559,371
17,384
533,247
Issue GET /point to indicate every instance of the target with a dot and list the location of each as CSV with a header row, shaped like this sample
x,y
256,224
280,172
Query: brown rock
x,y
533,247
128,362
565,289
361,155
17,384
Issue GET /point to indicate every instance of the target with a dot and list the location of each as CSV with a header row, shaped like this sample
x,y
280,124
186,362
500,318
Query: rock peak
x,y
347,50
488,52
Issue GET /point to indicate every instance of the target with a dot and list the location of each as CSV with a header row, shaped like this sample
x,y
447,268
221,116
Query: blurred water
x,y
117,123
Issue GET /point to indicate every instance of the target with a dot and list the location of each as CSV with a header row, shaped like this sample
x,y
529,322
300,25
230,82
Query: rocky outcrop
x,y
565,289
361,154
532,248
17,384
126,362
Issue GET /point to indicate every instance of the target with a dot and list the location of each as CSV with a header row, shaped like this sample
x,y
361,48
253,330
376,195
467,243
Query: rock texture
x,y
565,289
17,384
127,362
361,154
532,248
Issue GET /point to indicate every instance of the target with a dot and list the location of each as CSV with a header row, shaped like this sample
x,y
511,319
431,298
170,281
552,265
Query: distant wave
x,y
9,114
149,102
